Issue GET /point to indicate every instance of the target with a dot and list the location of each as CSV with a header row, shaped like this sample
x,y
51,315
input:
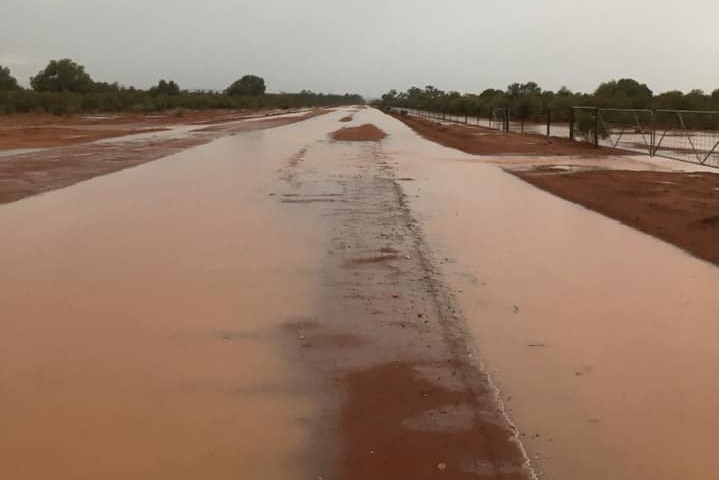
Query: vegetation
x,y
251,85
165,88
527,101
63,87
62,76
7,81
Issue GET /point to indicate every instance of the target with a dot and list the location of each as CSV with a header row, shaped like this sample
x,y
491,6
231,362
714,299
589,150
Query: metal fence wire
x,y
687,135
499,119
626,129
442,116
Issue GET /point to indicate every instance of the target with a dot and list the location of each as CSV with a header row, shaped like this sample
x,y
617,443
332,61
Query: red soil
x,y
32,130
485,141
363,133
680,208
28,174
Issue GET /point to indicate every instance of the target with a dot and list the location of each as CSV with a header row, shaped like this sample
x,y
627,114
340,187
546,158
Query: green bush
x,y
585,124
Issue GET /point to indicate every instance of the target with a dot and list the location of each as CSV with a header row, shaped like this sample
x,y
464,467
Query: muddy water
x,y
140,314
143,328
602,339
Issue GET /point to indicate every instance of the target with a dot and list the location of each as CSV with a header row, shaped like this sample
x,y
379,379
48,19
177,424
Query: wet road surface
x,y
278,305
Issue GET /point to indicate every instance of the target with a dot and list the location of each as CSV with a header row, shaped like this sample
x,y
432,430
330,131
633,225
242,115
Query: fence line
x,y
500,120
686,135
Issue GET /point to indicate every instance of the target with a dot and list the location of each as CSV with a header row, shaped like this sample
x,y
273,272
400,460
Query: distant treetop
x,y
165,88
62,76
7,81
250,85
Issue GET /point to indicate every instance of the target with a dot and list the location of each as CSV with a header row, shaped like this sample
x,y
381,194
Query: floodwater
x,y
19,151
139,317
601,339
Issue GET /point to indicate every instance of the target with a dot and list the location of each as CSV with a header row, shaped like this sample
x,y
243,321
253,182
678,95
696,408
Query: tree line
x,y
527,101
64,87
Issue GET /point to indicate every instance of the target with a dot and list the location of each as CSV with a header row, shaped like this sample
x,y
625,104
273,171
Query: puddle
x,y
19,151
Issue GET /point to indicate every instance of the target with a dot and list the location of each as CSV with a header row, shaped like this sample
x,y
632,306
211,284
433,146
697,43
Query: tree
x,y
165,88
626,93
104,87
7,81
529,88
432,92
490,93
251,85
62,76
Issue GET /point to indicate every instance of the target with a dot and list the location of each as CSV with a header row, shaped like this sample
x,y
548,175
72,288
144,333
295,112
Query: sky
x,y
369,46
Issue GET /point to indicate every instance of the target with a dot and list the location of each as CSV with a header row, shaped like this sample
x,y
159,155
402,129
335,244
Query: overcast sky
x,y
370,46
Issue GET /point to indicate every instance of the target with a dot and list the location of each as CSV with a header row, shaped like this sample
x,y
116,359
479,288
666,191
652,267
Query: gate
x,y
687,135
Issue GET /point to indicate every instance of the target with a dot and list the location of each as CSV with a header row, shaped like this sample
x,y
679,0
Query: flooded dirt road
x,y
139,316
601,338
277,304
30,171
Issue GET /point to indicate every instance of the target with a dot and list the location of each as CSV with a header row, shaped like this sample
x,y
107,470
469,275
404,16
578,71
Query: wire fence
x,y
690,136
686,135
500,119
626,129
440,116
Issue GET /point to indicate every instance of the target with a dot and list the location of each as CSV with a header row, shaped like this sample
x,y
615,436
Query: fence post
x,y
549,120
596,127
571,123
653,135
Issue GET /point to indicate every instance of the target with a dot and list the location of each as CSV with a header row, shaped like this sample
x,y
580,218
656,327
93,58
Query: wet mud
x,y
141,325
484,141
363,133
678,207
23,137
276,304
412,398
26,174
267,316
599,337
32,130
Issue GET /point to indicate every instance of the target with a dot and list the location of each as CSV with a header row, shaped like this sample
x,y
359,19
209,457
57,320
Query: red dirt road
x,y
277,305
32,130
680,208
26,174
359,360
